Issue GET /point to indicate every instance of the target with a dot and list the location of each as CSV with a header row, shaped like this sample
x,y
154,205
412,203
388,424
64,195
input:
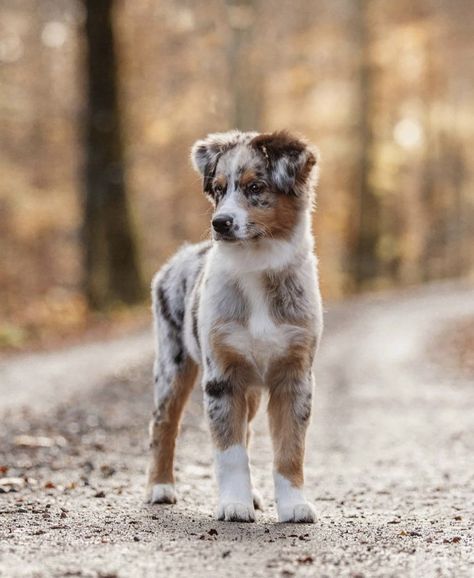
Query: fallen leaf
x,y
455,540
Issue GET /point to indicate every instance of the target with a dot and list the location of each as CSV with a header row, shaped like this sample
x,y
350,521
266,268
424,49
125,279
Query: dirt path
x,y
390,467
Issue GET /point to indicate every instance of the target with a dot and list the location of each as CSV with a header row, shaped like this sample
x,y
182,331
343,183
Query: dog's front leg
x,y
289,410
227,412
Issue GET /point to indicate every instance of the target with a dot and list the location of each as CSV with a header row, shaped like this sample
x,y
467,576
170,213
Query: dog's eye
x,y
218,189
254,188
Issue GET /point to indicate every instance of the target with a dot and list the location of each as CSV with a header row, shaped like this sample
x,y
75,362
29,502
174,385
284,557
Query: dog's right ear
x,y
206,153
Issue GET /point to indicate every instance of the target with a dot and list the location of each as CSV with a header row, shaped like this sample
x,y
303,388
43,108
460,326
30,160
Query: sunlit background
x,y
385,89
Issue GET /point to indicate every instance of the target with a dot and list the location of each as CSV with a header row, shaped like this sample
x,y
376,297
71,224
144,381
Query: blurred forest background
x,y
100,102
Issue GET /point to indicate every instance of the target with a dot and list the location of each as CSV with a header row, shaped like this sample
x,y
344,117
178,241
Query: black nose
x,y
222,223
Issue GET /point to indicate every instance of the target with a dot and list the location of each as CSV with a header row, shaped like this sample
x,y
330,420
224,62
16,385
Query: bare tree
x,y
111,261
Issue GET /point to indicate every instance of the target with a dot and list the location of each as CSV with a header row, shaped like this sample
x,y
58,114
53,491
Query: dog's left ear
x,y
205,154
292,161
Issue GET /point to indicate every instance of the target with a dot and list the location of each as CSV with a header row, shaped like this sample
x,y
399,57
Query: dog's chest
x,y
263,338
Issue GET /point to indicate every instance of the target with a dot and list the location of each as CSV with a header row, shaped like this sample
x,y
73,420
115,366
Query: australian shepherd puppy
x,y
245,308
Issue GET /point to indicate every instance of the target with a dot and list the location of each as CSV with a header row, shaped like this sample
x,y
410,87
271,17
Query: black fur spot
x,y
178,358
195,325
179,316
166,311
217,387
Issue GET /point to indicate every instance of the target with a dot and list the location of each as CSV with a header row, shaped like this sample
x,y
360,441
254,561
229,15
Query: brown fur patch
x,y
289,407
231,362
220,180
253,402
164,427
279,220
288,437
295,365
300,156
248,176
278,143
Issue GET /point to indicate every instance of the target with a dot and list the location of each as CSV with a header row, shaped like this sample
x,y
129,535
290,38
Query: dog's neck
x,y
266,254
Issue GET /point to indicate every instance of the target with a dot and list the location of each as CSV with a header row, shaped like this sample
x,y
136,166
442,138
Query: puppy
x,y
245,308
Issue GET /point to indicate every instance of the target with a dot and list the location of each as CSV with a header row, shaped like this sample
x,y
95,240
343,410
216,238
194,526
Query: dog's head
x,y
259,184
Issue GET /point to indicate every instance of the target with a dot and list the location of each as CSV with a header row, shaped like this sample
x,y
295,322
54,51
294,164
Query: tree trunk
x,y
245,82
111,261
365,258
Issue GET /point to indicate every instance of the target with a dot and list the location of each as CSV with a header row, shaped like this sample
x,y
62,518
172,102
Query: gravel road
x,y
390,464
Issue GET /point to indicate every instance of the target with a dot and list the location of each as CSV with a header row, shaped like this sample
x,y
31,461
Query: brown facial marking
x,y
278,221
247,177
165,426
219,187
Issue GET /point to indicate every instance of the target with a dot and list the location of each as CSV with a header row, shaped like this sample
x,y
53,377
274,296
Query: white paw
x,y
162,494
236,512
257,500
301,513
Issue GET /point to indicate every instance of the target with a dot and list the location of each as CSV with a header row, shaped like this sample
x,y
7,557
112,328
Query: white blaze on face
x,y
232,205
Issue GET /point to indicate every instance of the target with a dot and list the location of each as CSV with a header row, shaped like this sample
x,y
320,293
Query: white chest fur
x,y
260,324
261,339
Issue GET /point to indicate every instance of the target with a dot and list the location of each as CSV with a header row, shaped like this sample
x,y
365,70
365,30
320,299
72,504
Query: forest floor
x,y
389,459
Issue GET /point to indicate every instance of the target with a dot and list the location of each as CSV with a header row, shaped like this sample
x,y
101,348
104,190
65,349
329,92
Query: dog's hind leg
x,y
164,428
175,373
